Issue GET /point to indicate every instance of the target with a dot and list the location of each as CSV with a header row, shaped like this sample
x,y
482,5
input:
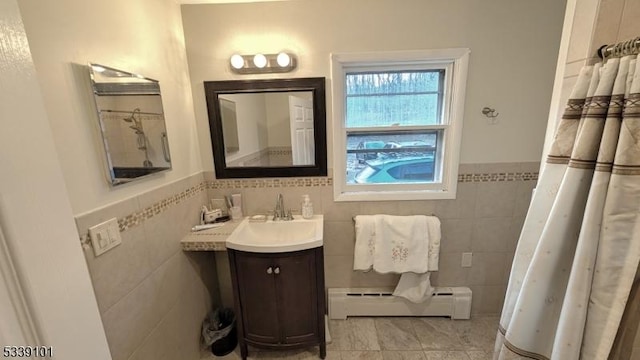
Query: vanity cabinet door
x,y
297,297
279,299
256,284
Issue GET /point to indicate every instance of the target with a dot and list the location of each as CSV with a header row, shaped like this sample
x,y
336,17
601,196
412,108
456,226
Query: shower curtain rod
x,y
629,47
129,112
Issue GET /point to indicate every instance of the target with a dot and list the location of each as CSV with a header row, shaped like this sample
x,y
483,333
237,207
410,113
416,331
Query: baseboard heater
x,y
454,302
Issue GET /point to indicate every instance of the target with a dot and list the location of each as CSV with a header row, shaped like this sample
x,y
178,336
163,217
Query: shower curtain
x,y
573,288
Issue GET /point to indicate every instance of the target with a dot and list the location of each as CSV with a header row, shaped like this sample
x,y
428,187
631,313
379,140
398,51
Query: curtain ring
x,y
619,50
630,47
627,47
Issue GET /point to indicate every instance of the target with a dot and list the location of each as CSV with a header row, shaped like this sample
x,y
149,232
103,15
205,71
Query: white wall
x,y
278,117
251,122
514,46
35,213
142,36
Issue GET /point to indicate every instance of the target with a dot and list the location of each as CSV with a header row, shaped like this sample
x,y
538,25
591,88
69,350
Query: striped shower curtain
x,y
573,289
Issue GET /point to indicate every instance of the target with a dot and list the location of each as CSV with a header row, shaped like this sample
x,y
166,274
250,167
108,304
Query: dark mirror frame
x,y
213,89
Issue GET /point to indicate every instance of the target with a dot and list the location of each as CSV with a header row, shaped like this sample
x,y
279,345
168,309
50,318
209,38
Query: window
x,y
397,124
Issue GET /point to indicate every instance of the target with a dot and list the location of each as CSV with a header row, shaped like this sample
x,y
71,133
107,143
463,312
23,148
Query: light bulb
x,y
237,62
98,68
260,61
283,59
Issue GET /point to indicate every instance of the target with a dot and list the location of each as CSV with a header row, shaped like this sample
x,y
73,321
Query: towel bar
x,y
432,214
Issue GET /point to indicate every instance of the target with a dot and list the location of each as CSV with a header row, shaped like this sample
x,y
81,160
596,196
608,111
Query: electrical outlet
x,y
105,236
466,259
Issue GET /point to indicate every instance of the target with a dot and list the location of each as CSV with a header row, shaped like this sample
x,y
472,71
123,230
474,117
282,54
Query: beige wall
x,y
153,296
251,123
617,21
142,36
36,216
514,45
278,124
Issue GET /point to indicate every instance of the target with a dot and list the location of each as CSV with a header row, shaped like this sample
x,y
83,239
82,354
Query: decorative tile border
x,y
209,240
497,177
204,246
139,217
327,181
161,206
269,183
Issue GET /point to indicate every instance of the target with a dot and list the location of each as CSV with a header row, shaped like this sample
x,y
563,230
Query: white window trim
x,y
458,60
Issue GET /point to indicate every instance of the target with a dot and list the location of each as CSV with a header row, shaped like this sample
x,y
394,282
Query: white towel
x,y
365,242
414,287
409,245
403,244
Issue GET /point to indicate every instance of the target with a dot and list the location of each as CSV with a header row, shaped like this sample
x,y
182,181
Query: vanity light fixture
x,y
260,61
237,61
263,63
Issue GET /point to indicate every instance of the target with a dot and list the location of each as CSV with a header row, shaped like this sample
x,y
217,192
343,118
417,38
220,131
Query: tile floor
x,y
398,338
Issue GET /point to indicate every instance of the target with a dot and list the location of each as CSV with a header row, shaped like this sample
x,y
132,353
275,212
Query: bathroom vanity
x,y
277,273
279,299
277,277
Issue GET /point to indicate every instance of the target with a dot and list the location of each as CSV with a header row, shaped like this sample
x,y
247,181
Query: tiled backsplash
x,y
138,217
485,218
148,273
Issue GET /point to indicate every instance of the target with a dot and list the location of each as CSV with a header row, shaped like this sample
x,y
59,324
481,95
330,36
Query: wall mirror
x,y
132,123
268,128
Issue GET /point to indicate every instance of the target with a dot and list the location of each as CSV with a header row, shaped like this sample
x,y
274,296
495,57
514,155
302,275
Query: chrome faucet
x,y
279,212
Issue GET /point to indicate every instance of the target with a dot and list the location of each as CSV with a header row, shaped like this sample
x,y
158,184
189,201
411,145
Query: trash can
x,y
219,331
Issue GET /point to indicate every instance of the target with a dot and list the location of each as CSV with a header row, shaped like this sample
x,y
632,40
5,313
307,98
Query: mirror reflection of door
x,y
268,129
301,119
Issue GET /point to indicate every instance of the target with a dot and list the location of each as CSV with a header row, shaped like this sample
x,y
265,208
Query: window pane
x,y
391,158
390,110
394,98
393,82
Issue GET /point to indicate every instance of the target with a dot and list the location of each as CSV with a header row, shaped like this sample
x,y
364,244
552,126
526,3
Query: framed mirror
x,y
268,128
132,123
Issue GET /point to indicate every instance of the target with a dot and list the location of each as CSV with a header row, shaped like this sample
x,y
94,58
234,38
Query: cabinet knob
x,y
277,270
270,270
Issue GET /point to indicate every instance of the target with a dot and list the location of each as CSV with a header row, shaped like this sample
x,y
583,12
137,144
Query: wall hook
x,y
489,112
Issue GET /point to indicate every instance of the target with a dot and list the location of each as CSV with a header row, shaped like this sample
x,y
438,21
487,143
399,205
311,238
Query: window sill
x,y
395,195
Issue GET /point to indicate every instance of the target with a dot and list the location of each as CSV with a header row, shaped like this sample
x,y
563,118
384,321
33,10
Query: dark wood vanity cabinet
x,y
279,299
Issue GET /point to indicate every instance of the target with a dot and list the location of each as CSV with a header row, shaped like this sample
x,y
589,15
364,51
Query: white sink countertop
x,y
277,236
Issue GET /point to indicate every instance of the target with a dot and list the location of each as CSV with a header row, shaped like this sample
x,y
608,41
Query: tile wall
x,y
152,296
485,219
617,21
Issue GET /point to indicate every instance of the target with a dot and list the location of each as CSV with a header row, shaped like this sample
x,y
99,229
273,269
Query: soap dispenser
x,y
307,207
